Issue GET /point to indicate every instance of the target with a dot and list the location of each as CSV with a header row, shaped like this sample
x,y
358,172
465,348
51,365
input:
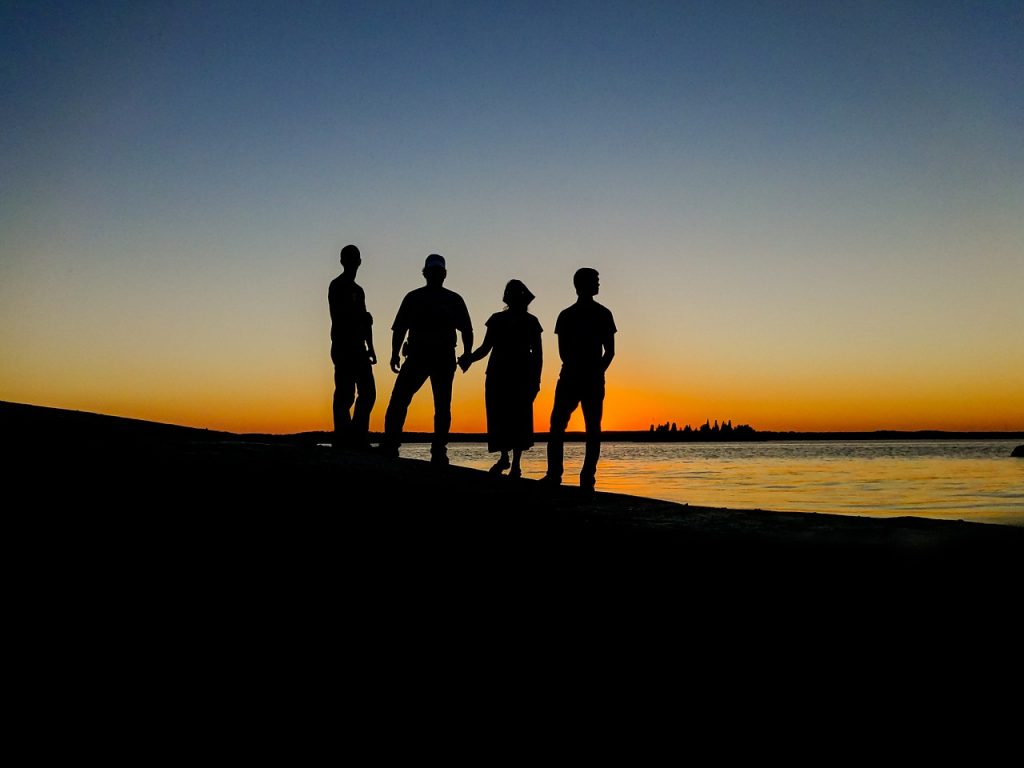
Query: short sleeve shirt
x,y
582,329
350,322
515,337
432,316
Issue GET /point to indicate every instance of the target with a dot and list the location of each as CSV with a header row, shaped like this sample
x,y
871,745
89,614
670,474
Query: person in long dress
x,y
513,377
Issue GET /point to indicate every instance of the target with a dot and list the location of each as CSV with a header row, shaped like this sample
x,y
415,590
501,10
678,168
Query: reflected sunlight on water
x,y
968,480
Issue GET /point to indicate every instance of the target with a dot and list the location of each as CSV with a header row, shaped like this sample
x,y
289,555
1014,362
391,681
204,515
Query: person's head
x,y
434,269
517,295
586,281
350,258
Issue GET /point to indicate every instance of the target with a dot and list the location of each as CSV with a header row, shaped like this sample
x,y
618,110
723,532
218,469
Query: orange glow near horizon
x,y
816,229
629,405
266,368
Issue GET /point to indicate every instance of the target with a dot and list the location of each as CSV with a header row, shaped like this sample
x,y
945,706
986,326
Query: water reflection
x,y
969,480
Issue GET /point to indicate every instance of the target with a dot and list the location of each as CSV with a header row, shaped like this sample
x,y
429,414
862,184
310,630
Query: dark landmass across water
x,y
640,436
41,419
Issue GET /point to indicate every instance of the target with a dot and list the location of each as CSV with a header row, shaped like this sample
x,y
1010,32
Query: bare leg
x,y
501,464
517,457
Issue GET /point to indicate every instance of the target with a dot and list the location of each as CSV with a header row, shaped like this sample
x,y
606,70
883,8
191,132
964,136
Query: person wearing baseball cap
x,y
430,316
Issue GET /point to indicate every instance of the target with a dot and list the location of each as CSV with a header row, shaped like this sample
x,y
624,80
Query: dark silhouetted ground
x,y
151,521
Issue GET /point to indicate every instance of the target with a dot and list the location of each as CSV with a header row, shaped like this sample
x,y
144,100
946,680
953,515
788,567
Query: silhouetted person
x,y
431,315
586,344
352,354
513,377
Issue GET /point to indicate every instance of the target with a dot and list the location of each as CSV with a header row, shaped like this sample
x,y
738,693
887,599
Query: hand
x,y
396,366
465,362
371,356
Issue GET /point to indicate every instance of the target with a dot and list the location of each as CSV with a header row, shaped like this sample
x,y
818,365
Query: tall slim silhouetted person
x,y
513,377
352,354
586,344
430,315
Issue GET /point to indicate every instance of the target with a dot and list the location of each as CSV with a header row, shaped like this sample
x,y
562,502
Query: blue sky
x,y
783,199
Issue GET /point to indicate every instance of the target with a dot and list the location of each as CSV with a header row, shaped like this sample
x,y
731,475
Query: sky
x,y
806,215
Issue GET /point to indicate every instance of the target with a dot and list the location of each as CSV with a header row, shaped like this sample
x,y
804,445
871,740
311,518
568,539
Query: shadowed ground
x,y
231,485
196,549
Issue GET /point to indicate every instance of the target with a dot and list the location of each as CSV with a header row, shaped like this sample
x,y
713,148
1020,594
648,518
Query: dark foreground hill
x,y
196,568
154,476
159,547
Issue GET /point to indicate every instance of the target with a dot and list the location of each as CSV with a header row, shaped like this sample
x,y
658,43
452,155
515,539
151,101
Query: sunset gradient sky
x,y
806,215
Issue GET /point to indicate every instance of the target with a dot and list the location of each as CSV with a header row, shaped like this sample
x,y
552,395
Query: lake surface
x,y
962,480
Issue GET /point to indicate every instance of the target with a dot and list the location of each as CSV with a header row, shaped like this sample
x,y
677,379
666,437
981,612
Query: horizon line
x,y
636,434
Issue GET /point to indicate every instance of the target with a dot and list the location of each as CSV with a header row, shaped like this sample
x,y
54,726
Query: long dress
x,y
513,377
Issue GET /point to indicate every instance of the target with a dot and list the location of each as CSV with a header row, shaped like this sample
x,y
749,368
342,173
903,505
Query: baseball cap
x,y
434,260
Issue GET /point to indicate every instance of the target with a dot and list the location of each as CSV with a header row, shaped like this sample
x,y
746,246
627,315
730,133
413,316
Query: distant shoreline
x,y
39,418
759,437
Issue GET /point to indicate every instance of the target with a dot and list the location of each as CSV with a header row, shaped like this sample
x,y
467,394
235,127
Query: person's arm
x,y
538,358
369,339
609,350
397,337
398,330
478,354
466,328
467,340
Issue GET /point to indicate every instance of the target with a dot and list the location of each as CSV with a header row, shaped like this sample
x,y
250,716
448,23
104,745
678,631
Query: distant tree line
x,y
707,431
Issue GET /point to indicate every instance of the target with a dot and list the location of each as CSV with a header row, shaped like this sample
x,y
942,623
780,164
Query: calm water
x,y
964,480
